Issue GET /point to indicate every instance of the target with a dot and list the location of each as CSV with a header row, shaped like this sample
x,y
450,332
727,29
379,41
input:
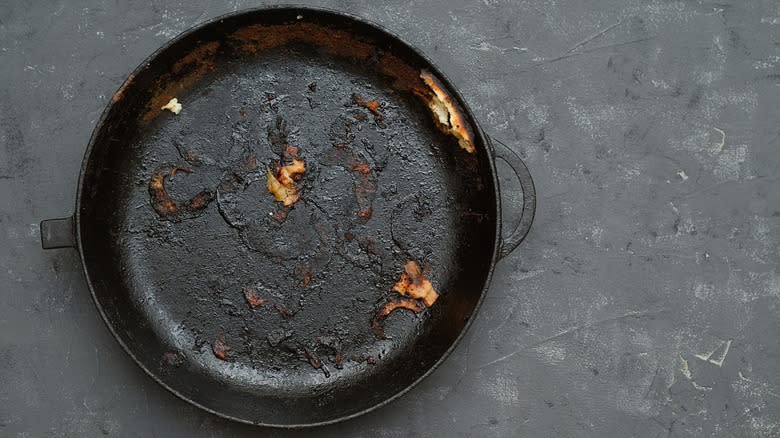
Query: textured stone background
x,y
643,303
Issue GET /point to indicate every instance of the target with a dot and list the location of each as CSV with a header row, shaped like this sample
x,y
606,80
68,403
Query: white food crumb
x,y
173,106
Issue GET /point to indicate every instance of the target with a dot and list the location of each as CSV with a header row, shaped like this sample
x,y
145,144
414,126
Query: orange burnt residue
x,y
407,78
290,151
365,188
391,306
253,297
338,42
371,105
183,75
220,349
200,58
448,116
414,284
248,164
417,294
361,168
120,93
305,274
163,204
333,41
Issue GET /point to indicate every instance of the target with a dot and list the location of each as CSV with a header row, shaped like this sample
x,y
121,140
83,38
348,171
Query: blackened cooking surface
x,y
173,286
196,268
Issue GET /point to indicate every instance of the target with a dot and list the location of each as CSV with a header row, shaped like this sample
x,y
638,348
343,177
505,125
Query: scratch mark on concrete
x,y
684,368
718,147
777,166
500,359
59,10
702,357
716,359
547,197
608,46
594,36
89,410
529,274
722,356
766,178
686,371
467,361
485,46
631,314
97,370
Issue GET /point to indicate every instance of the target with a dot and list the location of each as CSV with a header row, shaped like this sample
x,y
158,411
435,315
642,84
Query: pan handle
x,y
509,243
58,233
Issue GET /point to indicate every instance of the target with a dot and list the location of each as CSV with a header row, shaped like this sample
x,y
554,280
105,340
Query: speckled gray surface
x,y
645,301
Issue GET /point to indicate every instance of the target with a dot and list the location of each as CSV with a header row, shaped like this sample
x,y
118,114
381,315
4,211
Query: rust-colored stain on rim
x,y
257,38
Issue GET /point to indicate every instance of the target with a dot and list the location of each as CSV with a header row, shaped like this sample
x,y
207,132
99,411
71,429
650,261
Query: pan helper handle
x,y
509,243
58,233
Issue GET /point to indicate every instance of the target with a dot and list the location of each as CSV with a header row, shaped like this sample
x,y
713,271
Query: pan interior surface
x,y
286,296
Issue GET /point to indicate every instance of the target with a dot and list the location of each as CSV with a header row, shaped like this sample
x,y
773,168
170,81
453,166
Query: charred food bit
x,y
396,303
372,247
248,164
281,214
361,168
290,152
414,284
163,204
290,173
305,274
220,349
173,106
315,362
448,117
365,213
365,188
284,311
253,297
286,195
371,105
172,359
186,155
281,183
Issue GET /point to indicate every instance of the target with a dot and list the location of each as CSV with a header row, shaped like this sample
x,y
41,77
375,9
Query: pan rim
x,y
297,9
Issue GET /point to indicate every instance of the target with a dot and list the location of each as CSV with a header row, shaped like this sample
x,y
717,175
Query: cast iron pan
x,y
267,314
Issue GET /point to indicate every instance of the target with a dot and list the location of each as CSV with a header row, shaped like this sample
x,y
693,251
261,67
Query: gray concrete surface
x,y
645,301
